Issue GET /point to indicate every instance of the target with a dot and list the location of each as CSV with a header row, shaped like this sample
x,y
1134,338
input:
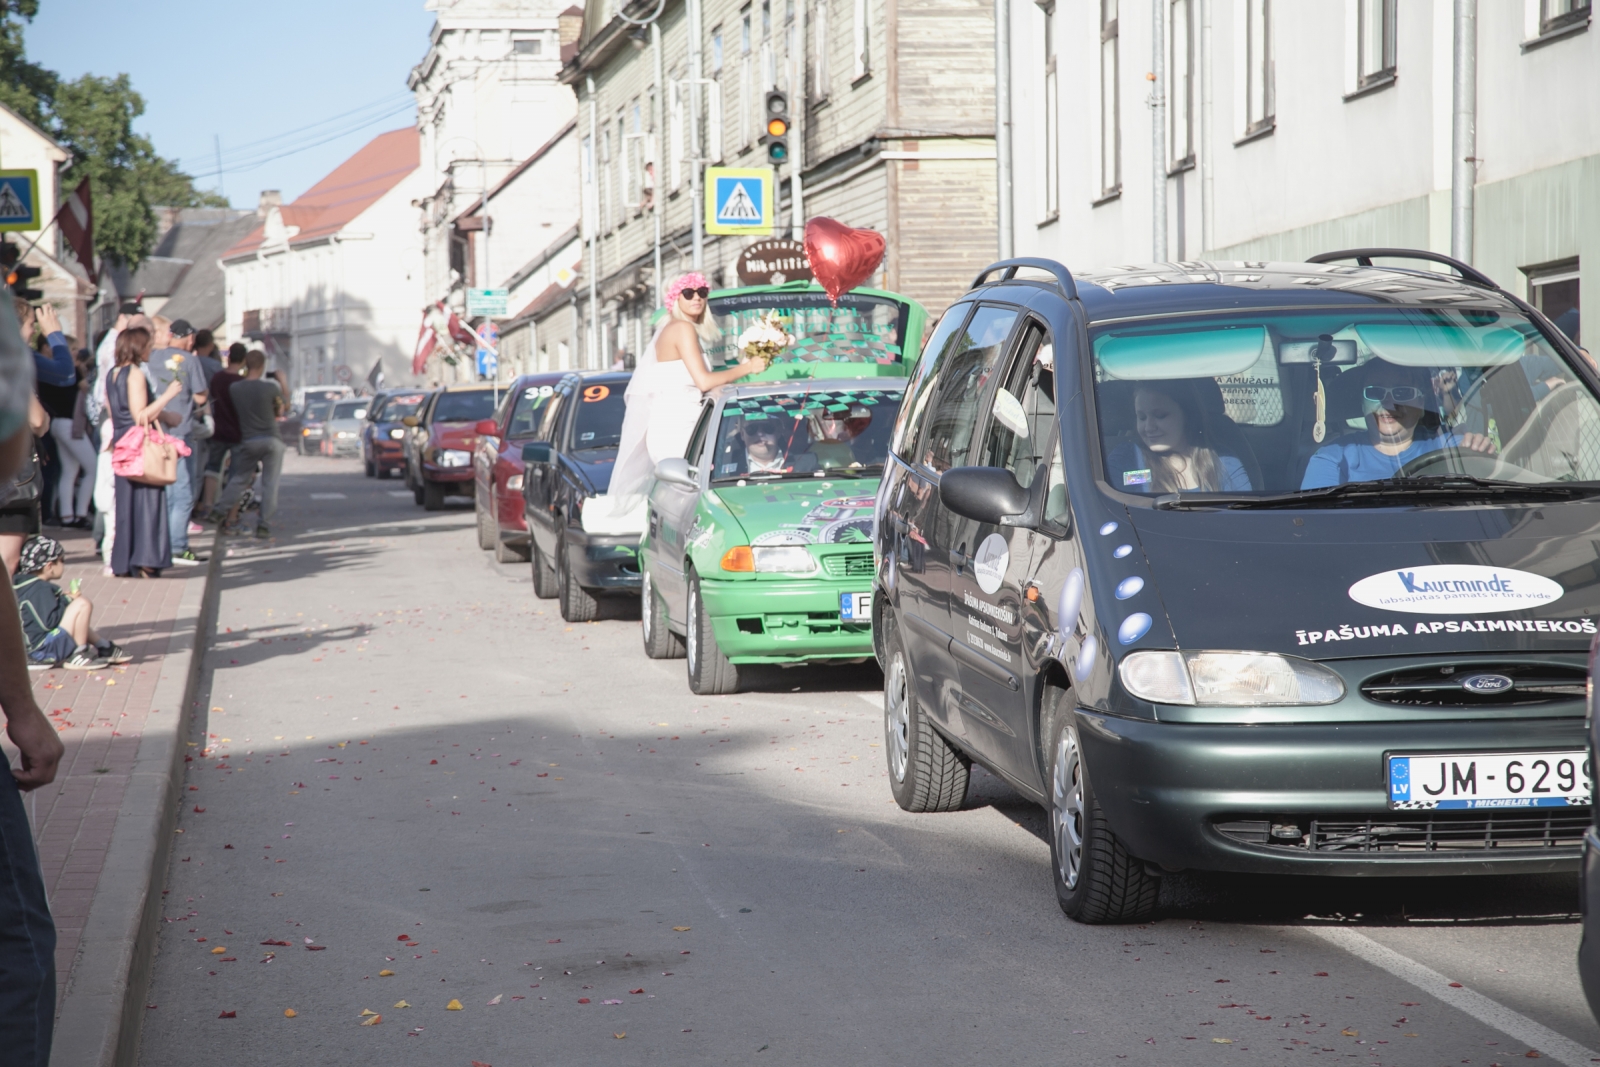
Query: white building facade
x,y
487,99
1279,130
331,284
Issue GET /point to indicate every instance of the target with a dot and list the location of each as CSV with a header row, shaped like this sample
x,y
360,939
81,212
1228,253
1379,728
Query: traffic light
x,y
777,136
18,275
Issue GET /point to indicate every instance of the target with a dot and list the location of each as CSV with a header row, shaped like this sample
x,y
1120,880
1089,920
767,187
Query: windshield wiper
x,y
1385,491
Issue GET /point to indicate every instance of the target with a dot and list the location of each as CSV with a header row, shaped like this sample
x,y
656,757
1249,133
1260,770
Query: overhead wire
x,y
388,102
270,155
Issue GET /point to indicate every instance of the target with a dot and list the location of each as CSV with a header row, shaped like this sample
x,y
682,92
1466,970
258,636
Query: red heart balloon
x,y
841,258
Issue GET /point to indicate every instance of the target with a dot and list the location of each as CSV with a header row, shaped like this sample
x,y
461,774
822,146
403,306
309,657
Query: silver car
x,y
341,435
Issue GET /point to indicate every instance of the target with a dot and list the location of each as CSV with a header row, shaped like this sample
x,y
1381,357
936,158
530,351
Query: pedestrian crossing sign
x,y
19,200
739,200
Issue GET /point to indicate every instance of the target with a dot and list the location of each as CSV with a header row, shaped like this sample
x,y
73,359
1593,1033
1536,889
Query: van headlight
x,y
783,559
1228,679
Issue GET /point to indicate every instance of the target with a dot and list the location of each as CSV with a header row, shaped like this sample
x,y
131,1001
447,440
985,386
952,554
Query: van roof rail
x,y
1365,256
1009,268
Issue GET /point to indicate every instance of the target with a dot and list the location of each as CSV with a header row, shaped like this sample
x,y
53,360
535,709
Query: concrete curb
x,y
102,1013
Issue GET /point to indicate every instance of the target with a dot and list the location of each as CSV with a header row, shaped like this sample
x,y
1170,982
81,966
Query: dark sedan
x,y
383,437
575,560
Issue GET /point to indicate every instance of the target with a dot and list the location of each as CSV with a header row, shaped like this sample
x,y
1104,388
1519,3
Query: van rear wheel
x,y
926,772
1096,880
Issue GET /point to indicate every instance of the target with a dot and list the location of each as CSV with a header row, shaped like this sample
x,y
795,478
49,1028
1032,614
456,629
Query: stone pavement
x,y
96,824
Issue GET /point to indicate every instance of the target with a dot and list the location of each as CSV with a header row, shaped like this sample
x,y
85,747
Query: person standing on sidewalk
x,y
225,437
256,401
141,547
174,363
105,485
27,932
61,398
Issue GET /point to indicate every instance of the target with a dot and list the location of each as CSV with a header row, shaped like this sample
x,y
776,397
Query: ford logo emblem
x,y
1486,683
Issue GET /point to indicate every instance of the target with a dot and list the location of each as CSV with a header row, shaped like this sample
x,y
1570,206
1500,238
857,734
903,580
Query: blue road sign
x,y
739,200
19,200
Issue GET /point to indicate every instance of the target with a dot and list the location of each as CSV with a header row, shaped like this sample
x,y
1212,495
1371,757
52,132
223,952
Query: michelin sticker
x,y
990,562
1454,589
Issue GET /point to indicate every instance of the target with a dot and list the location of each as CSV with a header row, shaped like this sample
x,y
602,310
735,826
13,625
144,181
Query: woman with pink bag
x,y
141,547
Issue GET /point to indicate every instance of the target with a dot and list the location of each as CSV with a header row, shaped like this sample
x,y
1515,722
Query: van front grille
x,y
848,565
1477,685
1408,832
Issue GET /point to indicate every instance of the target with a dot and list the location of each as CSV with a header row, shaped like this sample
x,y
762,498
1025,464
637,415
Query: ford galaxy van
x,y
1254,567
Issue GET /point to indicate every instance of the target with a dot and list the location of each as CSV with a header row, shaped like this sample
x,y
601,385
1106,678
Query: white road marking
x,y
400,492
1490,1012
330,496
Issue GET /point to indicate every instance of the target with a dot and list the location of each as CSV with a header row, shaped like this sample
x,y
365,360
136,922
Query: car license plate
x,y
855,607
1490,780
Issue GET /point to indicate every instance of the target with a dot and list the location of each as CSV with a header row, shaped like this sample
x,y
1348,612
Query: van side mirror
x,y
675,471
536,452
411,421
985,494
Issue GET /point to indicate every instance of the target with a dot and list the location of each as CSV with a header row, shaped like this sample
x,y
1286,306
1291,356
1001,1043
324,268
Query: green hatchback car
x,y
758,547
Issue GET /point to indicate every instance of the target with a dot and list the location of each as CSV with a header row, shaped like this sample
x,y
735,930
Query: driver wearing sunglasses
x,y
1403,424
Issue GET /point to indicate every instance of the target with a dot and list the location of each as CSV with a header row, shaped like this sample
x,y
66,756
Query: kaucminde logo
x,y
1454,589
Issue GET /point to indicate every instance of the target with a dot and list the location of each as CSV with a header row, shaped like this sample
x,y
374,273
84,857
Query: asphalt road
x,y
410,765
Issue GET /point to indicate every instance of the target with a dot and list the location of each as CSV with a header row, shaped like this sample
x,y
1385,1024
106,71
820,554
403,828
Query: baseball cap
x,y
180,328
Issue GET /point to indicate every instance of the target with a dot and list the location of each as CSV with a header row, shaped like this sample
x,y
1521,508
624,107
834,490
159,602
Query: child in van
x,y
55,625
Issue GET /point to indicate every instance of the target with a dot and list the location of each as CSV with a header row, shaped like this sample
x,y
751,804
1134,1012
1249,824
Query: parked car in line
x,y
1265,568
341,436
1589,947
313,425
568,464
383,436
441,439
758,547
497,465
308,394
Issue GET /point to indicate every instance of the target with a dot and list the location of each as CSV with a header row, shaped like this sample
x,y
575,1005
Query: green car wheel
x,y
659,640
710,673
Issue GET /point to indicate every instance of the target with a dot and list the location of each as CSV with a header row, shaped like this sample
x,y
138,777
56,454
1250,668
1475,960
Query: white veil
x,y
633,469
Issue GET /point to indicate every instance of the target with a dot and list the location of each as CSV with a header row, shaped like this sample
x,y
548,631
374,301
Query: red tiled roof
x,y
352,187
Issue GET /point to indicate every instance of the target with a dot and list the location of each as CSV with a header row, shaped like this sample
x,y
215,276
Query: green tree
x,y
94,120
25,87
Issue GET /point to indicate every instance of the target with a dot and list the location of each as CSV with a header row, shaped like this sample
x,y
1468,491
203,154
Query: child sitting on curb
x,y
56,624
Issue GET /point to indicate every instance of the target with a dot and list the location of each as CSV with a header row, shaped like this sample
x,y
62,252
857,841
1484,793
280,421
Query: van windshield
x,y
805,433
1288,405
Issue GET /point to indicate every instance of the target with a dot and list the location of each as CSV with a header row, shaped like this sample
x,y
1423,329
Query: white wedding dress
x,y
663,405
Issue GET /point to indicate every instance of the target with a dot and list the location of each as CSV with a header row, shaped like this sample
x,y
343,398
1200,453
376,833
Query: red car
x,y
497,466
440,440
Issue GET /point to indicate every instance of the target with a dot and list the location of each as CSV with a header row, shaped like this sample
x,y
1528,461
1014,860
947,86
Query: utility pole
x,y
697,164
658,119
1158,132
1464,129
797,90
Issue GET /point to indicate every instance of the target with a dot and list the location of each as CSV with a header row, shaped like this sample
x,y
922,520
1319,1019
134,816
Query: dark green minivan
x,y
1256,567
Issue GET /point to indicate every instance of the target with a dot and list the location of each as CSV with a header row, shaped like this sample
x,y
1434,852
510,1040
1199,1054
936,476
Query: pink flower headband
x,y
692,280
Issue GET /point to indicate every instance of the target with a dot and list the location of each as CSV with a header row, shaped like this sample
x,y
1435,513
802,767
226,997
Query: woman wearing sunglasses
x,y
668,384
1403,423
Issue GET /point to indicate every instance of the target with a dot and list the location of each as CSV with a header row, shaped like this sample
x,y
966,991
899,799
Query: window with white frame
x,y
746,117
1375,26
603,192
523,44
636,154
1110,103
716,50
1180,84
819,28
675,132
1259,105
861,39
1559,14
712,118
1050,206
624,157
1553,289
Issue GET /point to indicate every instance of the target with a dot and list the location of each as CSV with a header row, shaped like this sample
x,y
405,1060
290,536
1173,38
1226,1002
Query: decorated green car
x,y
758,547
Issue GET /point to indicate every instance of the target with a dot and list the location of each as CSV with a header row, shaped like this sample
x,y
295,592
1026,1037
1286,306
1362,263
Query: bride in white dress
x,y
664,396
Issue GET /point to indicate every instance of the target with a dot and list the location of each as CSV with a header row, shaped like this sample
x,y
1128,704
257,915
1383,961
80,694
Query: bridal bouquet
x,y
765,339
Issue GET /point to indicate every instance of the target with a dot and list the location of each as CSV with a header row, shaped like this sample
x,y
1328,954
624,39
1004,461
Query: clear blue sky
x,y
249,72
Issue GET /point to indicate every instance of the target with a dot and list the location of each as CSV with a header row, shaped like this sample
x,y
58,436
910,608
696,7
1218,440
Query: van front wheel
x,y
1097,881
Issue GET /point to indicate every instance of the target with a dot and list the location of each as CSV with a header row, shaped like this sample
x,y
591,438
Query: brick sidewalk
x,y
102,716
